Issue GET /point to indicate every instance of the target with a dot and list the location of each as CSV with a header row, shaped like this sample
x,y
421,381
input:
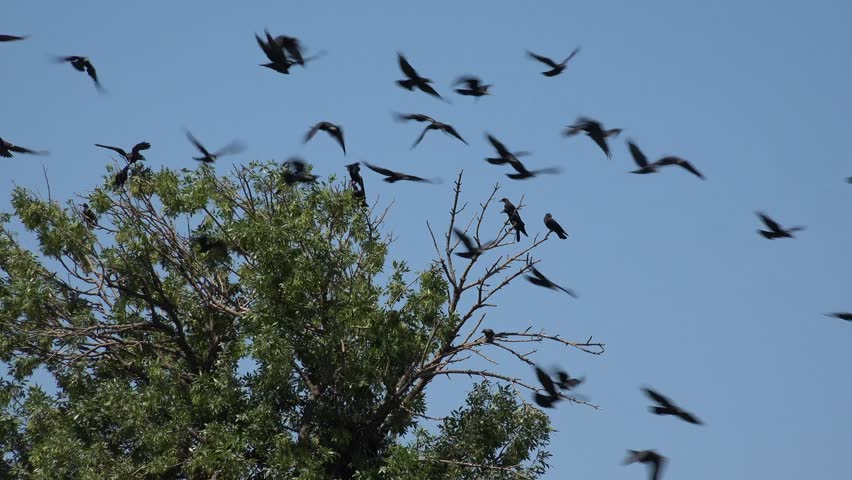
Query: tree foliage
x,y
240,327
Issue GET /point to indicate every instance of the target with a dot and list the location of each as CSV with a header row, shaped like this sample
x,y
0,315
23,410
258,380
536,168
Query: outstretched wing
x,y
657,397
140,146
197,144
637,155
452,131
120,151
468,243
546,381
498,145
422,134
681,163
571,55
380,170
542,59
406,67
771,224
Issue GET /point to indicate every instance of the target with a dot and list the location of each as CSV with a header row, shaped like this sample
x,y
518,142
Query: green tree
x,y
240,327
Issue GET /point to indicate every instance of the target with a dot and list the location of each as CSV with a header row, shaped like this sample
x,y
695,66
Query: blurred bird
x,y
207,157
537,278
841,315
413,79
392,176
565,381
654,460
474,87
135,153
432,125
121,176
274,51
335,131
593,130
7,148
293,47
504,155
545,401
775,230
214,247
82,64
554,226
556,68
546,381
645,167
12,38
296,171
88,215
523,173
473,250
667,407
355,177
489,335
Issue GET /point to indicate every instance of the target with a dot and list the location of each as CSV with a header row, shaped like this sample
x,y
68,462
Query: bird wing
x,y
576,50
657,397
657,466
637,155
297,164
428,89
406,67
549,170
337,133
380,170
452,131
681,163
311,132
771,224
417,117
600,140
468,243
412,178
90,70
542,59
197,144
552,224
498,145
234,147
18,149
688,417
120,151
422,134
10,38
546,381
140,146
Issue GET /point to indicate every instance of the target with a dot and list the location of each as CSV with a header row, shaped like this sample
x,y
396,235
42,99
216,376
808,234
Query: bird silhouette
x,y
555,68
7,149
841,315
565,382
206,156
508,207
594,130
83,64
473,250
545,401
775,230
88,215
121,176
537,278
489,335
432,125
135,153
12,38
391,176
357,181
296,171
335,131
667,407
645,167
413,79
473,87
554,226
275,52
654,460
292,46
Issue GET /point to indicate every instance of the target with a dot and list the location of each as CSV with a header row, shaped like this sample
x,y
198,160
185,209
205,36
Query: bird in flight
x,y
335,131
473,87
135,154
775,230
7,149
83,64
841,315
594,130
646,167
654,460
391,176
537,278
555,68
274,51
296,171
667,407
432,125
505,156
206,156
473,250
565,382
413,79
552,396
554,226
11,38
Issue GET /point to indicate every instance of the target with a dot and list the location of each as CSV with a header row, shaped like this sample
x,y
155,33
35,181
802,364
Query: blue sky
x,y
671,273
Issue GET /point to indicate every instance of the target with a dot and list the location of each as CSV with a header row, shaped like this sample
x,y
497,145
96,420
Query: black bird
x,y
514,219
593,130
88,215
546,381
645,167
392,176
414,79
355,177
293,47
296,171
135,153
554,226
667,407
565,381
556,68
11,38
538,279
473,250
848,179
524,173
649,457
474,87
508,207
215,247
207,157
432,125
545,401
505,156
841,315
121,177
336,132
82,64
775,230
274,51
6,149
489,335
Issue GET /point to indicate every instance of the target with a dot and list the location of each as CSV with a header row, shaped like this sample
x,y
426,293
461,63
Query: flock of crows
x,y
283,52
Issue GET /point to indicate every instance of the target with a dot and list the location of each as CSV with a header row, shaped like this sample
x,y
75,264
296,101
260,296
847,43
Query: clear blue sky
x,y
670,271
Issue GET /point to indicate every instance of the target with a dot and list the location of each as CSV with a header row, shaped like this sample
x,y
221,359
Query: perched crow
x,y
645,167
593,130
135,154
274,51
775,230
335,131
538,279
667,407
554,226
88,215
83,64
508,207
392,176
295,171
649,457
206,156
556,68
489,335
474,87
121,176
357,181
6,149
413,79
